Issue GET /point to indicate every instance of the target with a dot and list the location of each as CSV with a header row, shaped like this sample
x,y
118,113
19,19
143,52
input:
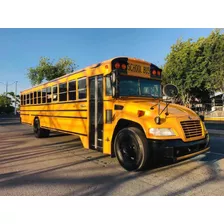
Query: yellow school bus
x,y
117,107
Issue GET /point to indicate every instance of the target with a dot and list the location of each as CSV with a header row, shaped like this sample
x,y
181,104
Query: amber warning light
x,y
156,73
122,66
117,65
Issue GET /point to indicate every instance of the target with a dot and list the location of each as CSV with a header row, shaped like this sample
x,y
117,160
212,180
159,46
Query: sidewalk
x,y
214,132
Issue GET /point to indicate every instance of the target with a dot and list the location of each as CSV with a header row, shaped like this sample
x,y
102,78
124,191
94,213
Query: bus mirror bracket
x,y
171,91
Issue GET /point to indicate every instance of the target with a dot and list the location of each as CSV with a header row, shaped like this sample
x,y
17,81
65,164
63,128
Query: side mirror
x,y
115,84
170,90
113,77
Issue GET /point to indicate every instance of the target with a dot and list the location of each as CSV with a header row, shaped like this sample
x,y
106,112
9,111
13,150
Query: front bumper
x,y
177,149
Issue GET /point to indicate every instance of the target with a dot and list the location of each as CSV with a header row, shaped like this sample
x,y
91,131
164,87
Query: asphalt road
x,y
58,165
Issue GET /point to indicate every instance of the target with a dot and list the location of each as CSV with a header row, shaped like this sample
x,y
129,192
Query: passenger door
x,y
96,112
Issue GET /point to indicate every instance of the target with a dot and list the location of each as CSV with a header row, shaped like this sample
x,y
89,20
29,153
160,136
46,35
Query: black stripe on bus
x,y
24,114
69,132
55,110
42,115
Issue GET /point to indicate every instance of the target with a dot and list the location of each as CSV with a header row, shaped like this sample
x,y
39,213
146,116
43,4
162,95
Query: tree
x,y
5,104
47,70
178,67
214,50
196,68
4,100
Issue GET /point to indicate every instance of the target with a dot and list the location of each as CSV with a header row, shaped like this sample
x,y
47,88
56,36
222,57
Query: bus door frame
x,y
96,107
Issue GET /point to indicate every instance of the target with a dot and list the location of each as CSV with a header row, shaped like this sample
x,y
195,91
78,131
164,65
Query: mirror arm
x,y
166,107
152,107
167,113
159,108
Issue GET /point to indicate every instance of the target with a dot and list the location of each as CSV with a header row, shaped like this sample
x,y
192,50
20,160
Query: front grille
x,y
191,128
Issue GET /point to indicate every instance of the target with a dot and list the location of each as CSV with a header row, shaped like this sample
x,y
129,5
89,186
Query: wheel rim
x,y
128,151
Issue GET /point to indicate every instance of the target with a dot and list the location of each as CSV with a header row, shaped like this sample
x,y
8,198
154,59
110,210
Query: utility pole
x,y
6,88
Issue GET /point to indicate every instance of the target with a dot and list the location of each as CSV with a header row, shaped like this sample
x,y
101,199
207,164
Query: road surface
x,y
59,165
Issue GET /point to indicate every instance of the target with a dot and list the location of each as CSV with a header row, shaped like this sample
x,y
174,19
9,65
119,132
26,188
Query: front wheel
x,y
131,149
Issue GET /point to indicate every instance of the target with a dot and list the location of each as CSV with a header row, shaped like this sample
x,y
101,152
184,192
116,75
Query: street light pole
x,y
6,88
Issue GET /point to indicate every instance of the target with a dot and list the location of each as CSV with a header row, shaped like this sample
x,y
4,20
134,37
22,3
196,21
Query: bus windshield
x,y
135,86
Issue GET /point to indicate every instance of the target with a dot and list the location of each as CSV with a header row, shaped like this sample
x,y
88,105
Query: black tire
x,y
38,131
131,149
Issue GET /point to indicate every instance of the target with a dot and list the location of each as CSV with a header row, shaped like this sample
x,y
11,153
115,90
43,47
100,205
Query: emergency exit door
x,y
96,112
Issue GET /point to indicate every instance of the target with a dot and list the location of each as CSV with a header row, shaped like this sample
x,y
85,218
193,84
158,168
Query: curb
x,y
214,118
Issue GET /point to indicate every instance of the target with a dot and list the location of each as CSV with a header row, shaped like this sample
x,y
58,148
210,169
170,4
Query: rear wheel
x,y
131,149
38,131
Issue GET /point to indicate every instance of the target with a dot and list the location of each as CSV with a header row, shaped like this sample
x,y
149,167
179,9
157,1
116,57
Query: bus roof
x,y
89,67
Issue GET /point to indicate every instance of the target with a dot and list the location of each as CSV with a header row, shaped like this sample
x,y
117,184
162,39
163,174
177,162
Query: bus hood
x,y
152,109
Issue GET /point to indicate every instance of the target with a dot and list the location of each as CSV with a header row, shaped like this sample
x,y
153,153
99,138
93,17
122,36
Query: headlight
x,y
161,132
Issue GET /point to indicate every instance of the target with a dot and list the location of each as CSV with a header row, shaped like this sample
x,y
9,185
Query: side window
x,y
49,95
55,93
27,98
35,97
21,99
82,88
72,90
43,95
31,98
39,97
108,85
63,91
24,99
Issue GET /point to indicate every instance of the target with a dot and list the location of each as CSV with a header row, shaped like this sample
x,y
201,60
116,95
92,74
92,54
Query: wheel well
x,y
123,123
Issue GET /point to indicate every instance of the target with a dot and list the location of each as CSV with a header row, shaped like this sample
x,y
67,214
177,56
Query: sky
x,y
21,49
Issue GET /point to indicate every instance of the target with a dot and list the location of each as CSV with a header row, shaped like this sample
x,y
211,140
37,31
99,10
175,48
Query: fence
x,y
214,109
